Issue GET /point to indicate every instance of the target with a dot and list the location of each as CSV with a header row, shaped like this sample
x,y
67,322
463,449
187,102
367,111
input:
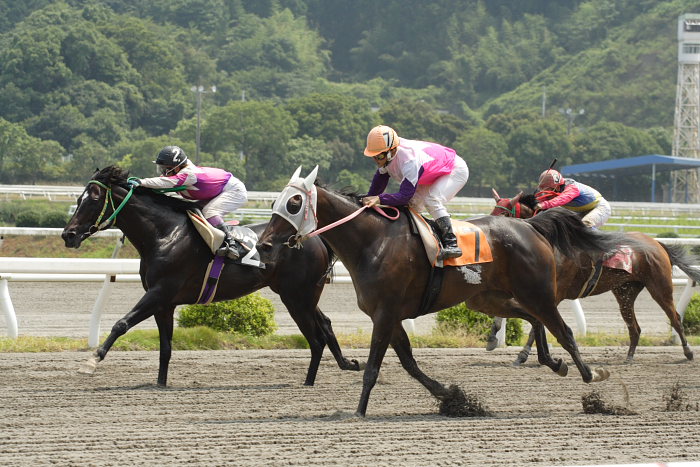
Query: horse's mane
x,y
529,200
351,193
114,175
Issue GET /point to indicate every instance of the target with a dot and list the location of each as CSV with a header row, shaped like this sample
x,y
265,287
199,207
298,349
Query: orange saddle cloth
x,y
472,240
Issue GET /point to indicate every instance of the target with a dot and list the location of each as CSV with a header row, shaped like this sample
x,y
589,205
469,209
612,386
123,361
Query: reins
x,y
352,216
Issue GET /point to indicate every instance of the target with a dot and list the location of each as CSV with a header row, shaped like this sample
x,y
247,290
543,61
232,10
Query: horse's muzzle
x,y
71,239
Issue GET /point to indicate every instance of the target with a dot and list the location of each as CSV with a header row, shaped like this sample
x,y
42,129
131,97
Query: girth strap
x,y
593,279
211,280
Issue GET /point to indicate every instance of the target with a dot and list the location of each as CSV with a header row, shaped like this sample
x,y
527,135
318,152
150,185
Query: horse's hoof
x,y
599,374
491,344
353,365
688,353
563,368
89,367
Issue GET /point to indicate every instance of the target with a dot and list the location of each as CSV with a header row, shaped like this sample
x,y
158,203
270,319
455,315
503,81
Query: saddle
x,y
470,238
214,238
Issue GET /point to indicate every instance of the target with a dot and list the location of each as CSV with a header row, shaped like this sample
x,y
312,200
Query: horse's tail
x,y
564,230
680,257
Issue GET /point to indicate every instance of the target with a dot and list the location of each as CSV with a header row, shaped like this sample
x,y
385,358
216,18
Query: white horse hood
x,y
304,220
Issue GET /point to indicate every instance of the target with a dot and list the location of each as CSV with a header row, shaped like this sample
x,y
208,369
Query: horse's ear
x,y
296,174
516,199
495,195
309,180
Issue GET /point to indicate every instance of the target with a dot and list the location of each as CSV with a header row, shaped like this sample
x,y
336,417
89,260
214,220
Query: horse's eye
x,y
293,205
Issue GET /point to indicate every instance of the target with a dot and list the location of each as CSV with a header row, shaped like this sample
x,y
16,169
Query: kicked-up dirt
x,y
250,408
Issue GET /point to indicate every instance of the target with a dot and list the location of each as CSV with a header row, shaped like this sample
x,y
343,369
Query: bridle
x,y
109,201
513,211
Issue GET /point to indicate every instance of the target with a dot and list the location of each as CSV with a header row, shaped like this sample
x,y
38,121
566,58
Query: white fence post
x,y
579,317
501,334
8,309
98,307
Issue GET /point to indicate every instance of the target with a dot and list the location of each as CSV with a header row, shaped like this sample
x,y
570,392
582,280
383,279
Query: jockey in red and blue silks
x,y
555,190
222,192
429,175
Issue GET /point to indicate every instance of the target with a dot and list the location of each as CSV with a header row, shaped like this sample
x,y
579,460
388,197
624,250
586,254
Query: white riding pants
x,y
599,215
233,197
432,198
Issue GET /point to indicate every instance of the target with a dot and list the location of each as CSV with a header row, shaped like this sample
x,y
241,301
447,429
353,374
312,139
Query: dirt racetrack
x,y
250,408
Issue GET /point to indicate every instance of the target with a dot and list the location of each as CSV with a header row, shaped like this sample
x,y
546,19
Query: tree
x,y
533,146
342,122
258,131
486,153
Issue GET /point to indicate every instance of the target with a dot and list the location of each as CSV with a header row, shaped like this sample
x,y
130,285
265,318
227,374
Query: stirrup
x,y
224,249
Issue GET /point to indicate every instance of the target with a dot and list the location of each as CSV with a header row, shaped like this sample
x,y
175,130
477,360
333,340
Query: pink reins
x,y
352,216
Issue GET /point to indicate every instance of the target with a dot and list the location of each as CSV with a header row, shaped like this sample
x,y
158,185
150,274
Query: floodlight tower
x,y
686,134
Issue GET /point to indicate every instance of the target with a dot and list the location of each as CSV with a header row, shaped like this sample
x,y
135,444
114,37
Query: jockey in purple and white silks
x,y
429,175
555,190
222,192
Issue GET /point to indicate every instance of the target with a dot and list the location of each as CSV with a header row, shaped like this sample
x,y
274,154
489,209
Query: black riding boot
x,y
449,241
228,247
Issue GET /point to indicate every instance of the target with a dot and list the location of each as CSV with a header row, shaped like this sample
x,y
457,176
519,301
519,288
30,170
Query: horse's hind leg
x,y
316,328
662,293
625,295
324,323
527,348
164,320
492,341
538,334
540,302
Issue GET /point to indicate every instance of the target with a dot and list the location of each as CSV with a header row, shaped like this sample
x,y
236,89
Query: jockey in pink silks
x,y
222,192
429,175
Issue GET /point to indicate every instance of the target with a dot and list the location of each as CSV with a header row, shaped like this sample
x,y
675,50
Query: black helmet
x,y
172,156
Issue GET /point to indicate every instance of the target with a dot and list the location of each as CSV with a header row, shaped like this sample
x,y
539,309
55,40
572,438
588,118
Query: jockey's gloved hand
x,y
133,182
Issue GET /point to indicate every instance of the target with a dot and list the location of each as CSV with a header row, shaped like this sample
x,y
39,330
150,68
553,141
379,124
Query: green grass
x,y
202,338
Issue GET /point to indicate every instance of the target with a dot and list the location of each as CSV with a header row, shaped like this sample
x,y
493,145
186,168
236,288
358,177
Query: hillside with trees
x,y
87,83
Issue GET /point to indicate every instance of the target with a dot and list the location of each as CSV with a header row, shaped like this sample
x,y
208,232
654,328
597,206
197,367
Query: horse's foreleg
x,y
143,309
402,346
164,320
381,335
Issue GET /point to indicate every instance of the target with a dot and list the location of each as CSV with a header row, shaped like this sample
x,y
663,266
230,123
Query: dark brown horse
x,y
390,271
174,260
650,268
